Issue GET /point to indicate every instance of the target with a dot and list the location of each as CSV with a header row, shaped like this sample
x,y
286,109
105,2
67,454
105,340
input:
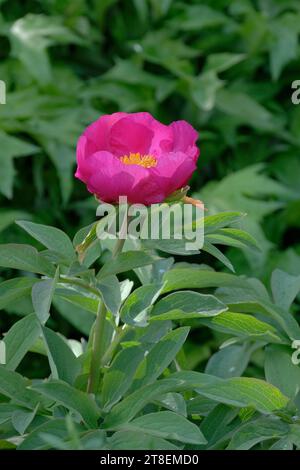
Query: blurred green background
x,y
225,66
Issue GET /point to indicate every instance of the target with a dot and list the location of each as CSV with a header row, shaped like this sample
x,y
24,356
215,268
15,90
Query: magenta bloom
x,y
136,156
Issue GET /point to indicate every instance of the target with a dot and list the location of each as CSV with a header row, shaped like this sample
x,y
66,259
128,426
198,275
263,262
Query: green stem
x,y
97,347
122,237
118,247
77,282
98,355
114,344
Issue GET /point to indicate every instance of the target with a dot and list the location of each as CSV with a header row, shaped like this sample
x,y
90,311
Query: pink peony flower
x,y
136,156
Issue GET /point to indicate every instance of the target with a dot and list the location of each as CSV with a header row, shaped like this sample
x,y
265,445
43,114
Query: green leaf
x,y
248,189
19,340
15,289
87,301
241,324
253,298
11,147
131,440
237,391
170,53
222,61
215,424
160,267
233,237
130,72
55,442
285,443
111,293
280,371
118,378
21,419
294,436
173,402
212,223
245,109
197,17
62,157
285,288
214,251
171,246
151,334
8,217
243,391
7,177
4,445
93,440
71,398
136,307
201,406
142,9
126,410
284,48
78,317
64,365
195,278
14,386
204,89
25,258
31,35
42,294
34,440
229,362
125,262
84,241
257,431
186,304
7,409
168,425
159,357
161,7
51,237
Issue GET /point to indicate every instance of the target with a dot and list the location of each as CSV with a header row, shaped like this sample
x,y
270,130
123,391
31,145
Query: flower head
x,y
136,156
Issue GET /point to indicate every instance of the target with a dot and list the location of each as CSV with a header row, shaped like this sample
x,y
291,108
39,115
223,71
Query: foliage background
x,y
225,66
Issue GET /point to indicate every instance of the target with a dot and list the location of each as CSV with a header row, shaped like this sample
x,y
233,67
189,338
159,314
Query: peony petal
x,y
98,132
148,191
184,138
82,171
174,170
162,140
128,136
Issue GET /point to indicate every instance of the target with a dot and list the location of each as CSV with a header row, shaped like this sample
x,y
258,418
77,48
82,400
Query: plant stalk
x,y
114,344
99,330
122,237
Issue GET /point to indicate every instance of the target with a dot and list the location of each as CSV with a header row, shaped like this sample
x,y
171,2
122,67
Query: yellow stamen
x,y
147,161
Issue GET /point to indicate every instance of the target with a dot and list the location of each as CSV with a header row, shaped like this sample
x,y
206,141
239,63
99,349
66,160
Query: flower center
x,y
147,161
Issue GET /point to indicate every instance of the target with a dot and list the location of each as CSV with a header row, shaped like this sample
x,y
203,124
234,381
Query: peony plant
x,y
127,383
